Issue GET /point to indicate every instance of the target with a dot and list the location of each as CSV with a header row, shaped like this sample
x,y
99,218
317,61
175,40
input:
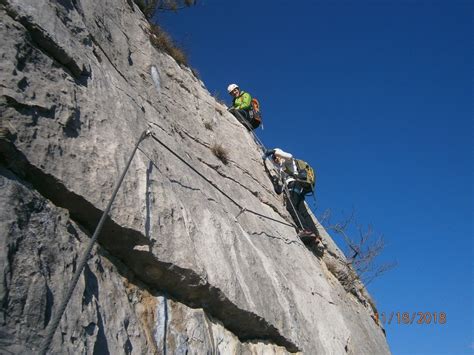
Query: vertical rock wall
x,y
179,267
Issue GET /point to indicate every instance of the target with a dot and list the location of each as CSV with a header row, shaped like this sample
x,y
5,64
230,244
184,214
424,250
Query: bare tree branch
x,y
362,249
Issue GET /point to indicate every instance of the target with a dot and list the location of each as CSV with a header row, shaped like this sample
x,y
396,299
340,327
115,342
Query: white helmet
x,y
231,87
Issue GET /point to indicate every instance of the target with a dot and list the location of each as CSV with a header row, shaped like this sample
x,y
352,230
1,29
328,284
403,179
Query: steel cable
x,y
53,325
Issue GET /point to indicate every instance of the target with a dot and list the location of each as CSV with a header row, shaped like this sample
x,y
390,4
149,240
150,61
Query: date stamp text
x,y
411,318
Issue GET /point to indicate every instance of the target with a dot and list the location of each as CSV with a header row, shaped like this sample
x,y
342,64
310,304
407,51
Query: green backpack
x,y
306,174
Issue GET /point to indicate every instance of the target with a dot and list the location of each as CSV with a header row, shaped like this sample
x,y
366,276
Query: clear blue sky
x,y
378,97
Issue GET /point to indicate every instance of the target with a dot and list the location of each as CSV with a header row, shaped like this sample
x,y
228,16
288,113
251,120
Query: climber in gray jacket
x,y
296,178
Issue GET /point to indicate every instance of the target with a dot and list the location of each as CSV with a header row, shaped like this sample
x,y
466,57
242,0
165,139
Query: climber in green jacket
x,y
242,107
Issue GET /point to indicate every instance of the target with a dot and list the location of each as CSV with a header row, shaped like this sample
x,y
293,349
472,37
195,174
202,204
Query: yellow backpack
x,y
306,171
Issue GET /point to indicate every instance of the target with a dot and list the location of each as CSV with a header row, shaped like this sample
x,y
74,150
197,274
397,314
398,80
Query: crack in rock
x,y
285,240
183,185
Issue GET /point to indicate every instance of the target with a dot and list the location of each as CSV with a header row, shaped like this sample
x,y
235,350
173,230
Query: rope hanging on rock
x,y
53,325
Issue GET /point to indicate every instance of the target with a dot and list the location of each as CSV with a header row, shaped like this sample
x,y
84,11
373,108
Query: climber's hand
x,y
269,152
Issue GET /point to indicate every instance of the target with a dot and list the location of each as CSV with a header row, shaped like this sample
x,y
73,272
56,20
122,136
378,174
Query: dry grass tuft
x,y
221,153
208,125
162,41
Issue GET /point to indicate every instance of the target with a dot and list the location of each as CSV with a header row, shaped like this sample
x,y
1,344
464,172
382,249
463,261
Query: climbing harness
x,y
53,325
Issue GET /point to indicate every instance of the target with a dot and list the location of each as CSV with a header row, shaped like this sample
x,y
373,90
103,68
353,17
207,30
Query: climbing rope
x,y
242,209
53,325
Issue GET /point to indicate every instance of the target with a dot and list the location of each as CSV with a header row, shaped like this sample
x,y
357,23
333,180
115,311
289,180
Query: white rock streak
x,y
156,78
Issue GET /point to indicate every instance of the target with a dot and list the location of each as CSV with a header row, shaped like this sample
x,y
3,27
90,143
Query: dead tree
x,y
361,248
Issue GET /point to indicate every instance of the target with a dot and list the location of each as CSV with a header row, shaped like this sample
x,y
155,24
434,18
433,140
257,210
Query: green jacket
x,y
243,101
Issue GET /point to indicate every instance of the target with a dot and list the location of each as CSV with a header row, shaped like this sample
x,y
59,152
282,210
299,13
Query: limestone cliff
x,y
179,267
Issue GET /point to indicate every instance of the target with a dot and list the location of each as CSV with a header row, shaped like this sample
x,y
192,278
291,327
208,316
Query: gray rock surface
x,y
180,267
110,311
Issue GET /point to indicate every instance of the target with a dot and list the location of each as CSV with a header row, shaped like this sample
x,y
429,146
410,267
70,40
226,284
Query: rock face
x,y
180,266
